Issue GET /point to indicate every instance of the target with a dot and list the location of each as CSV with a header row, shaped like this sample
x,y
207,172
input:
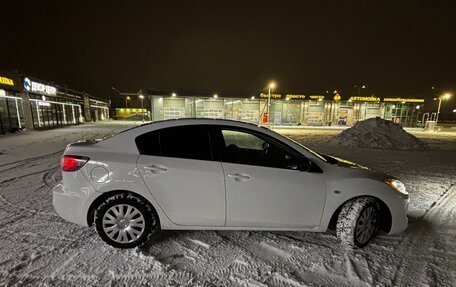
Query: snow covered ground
x,y
38,248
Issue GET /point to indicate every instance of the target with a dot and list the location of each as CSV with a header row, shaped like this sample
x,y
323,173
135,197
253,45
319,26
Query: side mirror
x,y
309,166
304,164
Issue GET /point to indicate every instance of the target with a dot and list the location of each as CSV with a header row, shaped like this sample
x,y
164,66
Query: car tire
x,y
357,222
125,220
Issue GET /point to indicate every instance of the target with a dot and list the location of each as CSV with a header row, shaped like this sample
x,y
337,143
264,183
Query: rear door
x,y
178,167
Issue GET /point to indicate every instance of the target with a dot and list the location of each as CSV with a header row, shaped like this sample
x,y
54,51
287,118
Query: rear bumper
x,y
399,220
72,198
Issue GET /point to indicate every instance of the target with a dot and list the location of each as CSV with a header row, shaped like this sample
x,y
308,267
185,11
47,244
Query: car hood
x,y
354,168
342,162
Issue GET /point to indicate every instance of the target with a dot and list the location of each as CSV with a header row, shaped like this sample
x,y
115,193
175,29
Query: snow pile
x,y
377,133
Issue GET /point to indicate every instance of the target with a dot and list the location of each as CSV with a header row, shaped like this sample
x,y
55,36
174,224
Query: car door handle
x,y
239,177
156,168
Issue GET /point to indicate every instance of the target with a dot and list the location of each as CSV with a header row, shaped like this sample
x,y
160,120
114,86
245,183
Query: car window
x,y
190,142
243,147
242,140
148,143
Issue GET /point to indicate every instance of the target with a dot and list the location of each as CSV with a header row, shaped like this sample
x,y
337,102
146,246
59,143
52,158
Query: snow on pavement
x,y
39,248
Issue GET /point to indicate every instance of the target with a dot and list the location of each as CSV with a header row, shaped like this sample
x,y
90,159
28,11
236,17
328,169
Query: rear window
x,y
149,143
191,142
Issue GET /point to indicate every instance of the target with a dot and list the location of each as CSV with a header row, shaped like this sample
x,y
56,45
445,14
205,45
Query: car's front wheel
x,y
125,220
357,222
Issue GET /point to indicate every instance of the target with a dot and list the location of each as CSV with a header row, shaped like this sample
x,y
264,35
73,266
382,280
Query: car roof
x,y
147,127
183,121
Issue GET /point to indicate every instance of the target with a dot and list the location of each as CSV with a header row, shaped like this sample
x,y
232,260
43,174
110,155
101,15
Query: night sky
x,y
400,49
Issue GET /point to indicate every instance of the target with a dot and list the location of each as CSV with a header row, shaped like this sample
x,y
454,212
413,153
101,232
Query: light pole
x,y
271,86
126,101
440,98
142,106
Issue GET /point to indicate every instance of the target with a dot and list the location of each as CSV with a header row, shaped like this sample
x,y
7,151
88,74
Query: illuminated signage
x,y
44,104
365,99
273,96
36,87
337,97
131,109
402,100
300,97
317,97
6,81
10,81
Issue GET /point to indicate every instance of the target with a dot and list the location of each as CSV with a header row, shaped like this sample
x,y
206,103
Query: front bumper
x,y
399,220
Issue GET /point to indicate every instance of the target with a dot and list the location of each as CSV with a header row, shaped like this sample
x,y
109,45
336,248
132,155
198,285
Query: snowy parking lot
x,y
38,248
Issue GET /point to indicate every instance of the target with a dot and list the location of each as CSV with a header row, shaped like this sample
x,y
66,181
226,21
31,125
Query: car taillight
x,y
73,162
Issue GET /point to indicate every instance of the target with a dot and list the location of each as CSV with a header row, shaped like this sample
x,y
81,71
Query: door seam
x,y
224,184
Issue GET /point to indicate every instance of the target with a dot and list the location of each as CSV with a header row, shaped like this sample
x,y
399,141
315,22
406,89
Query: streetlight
x,y
173,95
445,96
360,87
126,101
215,96
142,106
271,86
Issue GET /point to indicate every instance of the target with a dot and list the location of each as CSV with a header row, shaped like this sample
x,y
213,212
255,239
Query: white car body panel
x,y
280,200
190,192
273,197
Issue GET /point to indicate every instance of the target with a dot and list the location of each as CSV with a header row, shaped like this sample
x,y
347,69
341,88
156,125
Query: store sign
x,y
365,99
337,97
10,81
273,96
36,87
317,97
6,81
342,119
402,100
295,97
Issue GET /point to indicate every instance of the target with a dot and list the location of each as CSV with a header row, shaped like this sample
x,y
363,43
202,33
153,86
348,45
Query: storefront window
x,y
250,111
232,109
46,114
11,114
316,111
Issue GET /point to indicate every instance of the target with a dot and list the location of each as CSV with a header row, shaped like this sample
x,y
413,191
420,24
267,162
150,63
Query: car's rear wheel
x,y
125,220
357,222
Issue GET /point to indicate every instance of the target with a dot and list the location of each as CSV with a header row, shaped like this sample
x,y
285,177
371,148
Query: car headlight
x,y
397,185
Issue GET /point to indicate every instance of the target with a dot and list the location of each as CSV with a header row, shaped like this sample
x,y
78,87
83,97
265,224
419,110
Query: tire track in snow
x,y
28,160
23,175
419,238
49,178
5,203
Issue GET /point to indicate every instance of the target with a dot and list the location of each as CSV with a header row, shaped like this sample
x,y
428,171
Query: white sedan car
x,y
203,174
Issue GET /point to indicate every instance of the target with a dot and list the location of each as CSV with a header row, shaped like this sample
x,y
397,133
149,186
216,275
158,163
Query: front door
x,y
265,183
